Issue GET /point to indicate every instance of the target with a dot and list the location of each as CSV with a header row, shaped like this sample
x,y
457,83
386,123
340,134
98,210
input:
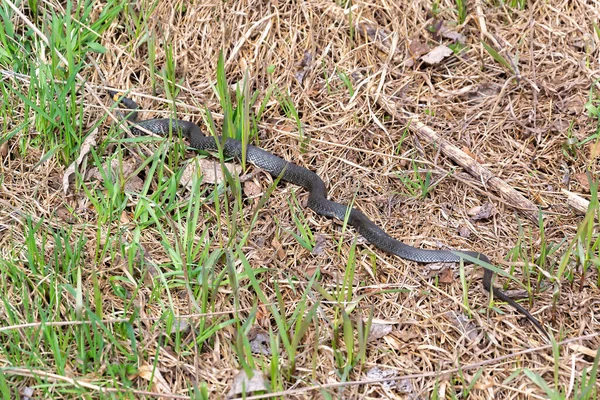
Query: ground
x,y
134,269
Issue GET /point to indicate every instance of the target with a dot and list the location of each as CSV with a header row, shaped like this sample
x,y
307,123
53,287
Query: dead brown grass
x,y
515,126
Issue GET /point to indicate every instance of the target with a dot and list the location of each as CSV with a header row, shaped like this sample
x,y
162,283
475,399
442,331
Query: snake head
x,y
120,98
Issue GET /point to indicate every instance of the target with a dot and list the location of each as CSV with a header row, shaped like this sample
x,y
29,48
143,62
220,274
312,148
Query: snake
x,y
317,194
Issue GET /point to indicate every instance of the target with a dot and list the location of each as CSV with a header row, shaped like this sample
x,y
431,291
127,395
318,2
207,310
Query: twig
x,y
484,175
427,134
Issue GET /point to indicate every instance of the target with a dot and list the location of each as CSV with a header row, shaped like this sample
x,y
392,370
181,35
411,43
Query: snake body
x,y
317,200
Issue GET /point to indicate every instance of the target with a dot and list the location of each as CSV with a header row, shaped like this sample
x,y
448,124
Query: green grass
x,y
585,387
416,184
461,11
499,58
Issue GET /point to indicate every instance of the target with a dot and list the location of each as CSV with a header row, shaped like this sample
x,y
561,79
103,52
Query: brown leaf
x,y
482,212
408,335
464,232
3,149
278,249
63,213
576,202
118,168
242,384
152,374
304,67
251,189
417,48
88,143
259,341
124,219
594,149
378,331
263,314
181,325
377,373
27,393
582,179
575,104
311,270
468,151
592,353
449,33
134,184
464,325
446,276
320,242
377,35
437,54
287,128
210,170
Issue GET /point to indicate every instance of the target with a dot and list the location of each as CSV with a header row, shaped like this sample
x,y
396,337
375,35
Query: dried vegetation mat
x,y
132,267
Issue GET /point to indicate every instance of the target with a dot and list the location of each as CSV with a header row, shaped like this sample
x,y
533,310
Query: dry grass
x,y
515,125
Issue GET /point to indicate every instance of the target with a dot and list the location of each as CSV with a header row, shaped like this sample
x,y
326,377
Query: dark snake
x,y
317,199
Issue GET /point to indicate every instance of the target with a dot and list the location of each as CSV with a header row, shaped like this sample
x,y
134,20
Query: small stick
x,y
577,202
487,178
427,134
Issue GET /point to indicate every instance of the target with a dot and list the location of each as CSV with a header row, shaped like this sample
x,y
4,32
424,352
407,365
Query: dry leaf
x,y
251,189
417,48
287,128
449,33
181,325
408,335
320,242
575,104
377,373
378,35
464,325
134,184
151,374
464,232
210,170
582,179
583,350
63,213
124,219
125,168
3,149
594,150
481,212
304,67
435,269
437,54
27,393
278,249
538,199
263,315
378,331
87,144
468,151
153,272
259,341
578,203
242,384
446,276
311,270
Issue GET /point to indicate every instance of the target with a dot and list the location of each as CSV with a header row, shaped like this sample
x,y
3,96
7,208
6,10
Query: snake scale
x,y
317,199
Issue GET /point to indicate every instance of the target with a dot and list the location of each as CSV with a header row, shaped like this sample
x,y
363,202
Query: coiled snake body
x,y
317,199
